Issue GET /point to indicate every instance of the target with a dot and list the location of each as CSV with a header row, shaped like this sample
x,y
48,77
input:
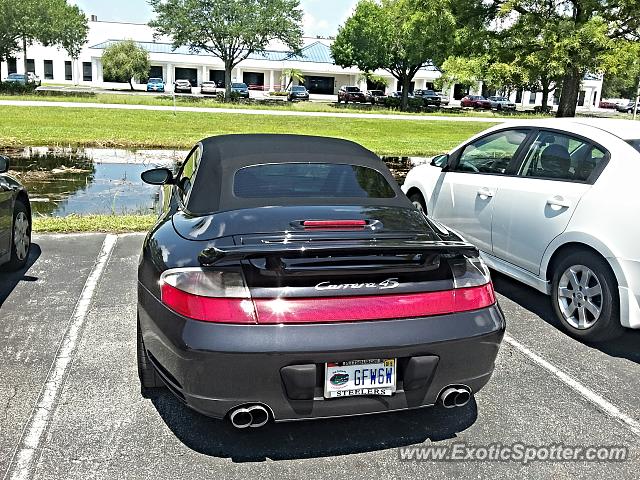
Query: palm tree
x,y
293,74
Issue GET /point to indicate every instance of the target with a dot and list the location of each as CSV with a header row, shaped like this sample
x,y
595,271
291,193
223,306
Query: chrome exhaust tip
x,y
457,396
463,397
260,416
241,418
253,416
448,397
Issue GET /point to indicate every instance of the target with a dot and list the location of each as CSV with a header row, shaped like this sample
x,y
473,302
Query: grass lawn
x,y
51,126
210,102
94,223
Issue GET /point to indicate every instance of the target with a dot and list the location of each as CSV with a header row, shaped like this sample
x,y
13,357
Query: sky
x,y
321,17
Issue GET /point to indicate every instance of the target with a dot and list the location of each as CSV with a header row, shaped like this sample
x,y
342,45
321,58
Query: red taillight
x,y
382,307
208,309
223,297
210,296
334,224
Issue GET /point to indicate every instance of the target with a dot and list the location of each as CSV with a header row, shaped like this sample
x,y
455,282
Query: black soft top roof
x,y
224,155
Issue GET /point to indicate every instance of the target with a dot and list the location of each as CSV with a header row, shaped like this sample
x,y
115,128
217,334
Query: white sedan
x,y
554,204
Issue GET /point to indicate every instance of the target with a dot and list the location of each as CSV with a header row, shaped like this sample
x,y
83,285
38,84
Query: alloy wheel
x,y
21,238
580,297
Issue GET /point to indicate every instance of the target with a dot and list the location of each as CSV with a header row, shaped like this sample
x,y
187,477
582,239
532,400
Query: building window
x,y
68,73
48,69
532,97
581,96
12,66
86,72
31,65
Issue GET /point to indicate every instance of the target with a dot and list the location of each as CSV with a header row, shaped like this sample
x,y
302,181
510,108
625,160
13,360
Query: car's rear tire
x,y
585,297
149,378
20,237
418,201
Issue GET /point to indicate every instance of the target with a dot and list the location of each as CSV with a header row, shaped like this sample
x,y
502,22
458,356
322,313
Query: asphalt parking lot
x,y
70,403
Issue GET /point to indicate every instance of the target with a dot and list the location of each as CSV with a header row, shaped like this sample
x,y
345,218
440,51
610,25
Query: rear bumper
x,y
214,368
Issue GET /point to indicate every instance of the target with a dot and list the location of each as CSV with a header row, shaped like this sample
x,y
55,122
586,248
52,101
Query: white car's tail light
x,y
211,296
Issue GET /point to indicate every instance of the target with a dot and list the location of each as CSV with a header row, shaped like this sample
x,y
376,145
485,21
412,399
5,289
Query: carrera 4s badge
x,y
384,285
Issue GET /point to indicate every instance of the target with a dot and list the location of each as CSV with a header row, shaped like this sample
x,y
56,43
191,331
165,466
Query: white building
x,y
261,71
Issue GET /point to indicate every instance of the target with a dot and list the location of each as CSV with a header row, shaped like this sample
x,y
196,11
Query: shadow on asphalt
x,y
314,438
625,346
9,280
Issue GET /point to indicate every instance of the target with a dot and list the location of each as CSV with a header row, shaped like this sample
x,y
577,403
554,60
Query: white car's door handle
x,y
485,192
558,201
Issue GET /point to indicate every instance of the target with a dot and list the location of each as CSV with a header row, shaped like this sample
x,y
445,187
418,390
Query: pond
x,y
62,181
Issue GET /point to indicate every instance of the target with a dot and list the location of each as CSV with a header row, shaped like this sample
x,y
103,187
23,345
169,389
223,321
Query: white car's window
x,y
556,156
491,154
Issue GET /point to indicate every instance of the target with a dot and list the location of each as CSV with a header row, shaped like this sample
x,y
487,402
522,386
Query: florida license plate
x,y
360,377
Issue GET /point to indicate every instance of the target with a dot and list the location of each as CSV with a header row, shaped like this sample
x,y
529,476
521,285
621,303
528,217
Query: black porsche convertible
x,y
15,220
289,278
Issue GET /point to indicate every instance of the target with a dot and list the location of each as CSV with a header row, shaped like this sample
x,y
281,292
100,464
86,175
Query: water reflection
x,y
62,181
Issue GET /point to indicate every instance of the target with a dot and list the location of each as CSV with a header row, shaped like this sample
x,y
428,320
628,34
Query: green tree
x,y
590,35
293,74
49,22
8,40
124,61
229,29
399,36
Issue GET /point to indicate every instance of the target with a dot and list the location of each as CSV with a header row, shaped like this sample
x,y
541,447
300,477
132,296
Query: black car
x,y
297,92
429,97
15,220
240,89
290,278
182,85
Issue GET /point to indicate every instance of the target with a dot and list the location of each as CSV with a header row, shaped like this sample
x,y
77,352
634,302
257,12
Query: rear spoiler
x,y
213,255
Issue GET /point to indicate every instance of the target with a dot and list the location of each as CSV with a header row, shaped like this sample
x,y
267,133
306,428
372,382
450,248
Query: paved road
x,y
242,111
75,308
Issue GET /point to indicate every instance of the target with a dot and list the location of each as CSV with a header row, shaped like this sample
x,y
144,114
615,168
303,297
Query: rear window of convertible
x,y
310,180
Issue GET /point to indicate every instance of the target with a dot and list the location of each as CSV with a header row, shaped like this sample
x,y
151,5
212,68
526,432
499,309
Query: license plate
x,y
360,377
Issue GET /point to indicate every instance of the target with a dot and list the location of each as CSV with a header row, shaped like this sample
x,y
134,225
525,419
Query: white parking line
x,y
603,404
23,457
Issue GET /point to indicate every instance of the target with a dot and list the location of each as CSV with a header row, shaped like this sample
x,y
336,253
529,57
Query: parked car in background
x,y
606,104
429,97
375,96
627,107
501,103
182,86
155,85
19,78
475,101
344,299
15,220
240,89
34,79
398,94
348,94
297,92
550,203
444,99
208,87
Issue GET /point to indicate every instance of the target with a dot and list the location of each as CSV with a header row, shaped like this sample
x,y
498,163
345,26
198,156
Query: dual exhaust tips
x,y
455,397
256,416
253,416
